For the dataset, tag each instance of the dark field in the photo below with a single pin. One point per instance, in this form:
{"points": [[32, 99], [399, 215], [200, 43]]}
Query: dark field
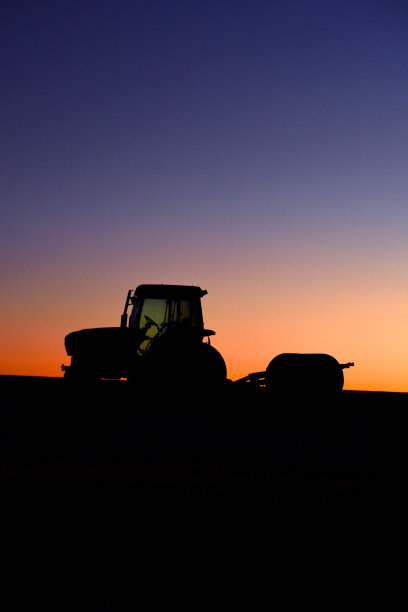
{"points": [[127, 482], [117, 443]]}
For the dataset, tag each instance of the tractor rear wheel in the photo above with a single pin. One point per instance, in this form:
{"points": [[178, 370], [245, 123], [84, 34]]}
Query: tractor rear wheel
{"points": [[188, 367]]}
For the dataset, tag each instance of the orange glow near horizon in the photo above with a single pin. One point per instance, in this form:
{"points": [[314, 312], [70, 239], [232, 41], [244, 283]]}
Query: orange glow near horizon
{"points": [[251, 329]]}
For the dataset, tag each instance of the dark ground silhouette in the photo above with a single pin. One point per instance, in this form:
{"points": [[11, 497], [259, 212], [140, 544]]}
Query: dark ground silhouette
{"points": [[133, 496]]}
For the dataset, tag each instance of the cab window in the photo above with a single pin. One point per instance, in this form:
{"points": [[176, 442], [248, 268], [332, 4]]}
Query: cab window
{"points": [[154, 314]]}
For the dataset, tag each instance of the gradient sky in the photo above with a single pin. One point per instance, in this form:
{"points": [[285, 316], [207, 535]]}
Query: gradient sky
{"points": [[256, 148]]}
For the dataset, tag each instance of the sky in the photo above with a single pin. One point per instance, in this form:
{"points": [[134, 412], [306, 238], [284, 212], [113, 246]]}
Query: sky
{"points": [[255, 148]]}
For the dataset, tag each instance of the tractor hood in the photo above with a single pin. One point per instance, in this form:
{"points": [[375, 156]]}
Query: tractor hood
{"points": [[100, 340]]}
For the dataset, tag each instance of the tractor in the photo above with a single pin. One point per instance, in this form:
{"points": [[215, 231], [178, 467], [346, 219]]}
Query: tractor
{"points": [[162, 343]]}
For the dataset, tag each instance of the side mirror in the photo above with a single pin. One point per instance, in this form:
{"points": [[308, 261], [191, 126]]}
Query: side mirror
{"points": [[208, 332]]}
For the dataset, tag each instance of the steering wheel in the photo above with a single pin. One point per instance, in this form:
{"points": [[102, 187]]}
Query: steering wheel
{"points": [[150, 322]]}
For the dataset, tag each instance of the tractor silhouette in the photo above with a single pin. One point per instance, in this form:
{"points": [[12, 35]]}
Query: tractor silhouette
{"points": [[162, 343]]}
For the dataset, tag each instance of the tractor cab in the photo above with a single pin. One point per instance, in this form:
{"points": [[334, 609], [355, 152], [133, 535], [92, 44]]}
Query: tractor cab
{"points": [[160, 308]]}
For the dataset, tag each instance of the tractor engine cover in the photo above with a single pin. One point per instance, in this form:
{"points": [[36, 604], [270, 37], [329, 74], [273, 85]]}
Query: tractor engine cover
{"points": [[304, 373], [105, 351]]}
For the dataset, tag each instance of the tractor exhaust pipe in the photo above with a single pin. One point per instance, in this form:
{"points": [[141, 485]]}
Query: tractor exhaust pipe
{"points": [[124, 316]]}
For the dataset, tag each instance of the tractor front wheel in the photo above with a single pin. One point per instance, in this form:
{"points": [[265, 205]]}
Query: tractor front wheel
{"points": [[79, 372]]}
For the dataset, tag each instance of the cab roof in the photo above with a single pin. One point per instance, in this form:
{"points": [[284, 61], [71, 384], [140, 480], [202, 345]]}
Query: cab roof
{"points": [[169, 291]]}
